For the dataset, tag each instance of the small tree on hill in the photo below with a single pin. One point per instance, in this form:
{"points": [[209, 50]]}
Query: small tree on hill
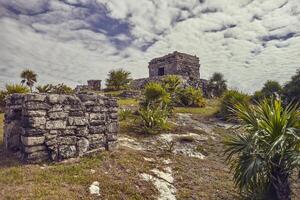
{"points": [[217, 85], [118, 79], [292, 88], [29, 77], [271, 88]]}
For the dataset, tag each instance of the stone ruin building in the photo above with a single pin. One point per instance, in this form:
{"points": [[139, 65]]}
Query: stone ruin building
{"points": [[56, 127], [176, 63], [92, 85], [181, 64]]}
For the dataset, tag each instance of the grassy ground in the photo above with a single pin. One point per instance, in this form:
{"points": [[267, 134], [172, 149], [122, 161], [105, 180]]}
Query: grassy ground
{"points": [[210, 109]]}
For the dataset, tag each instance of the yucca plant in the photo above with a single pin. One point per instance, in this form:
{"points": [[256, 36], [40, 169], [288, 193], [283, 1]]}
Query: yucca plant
{"points": [[265, 153], [44, 88], [29, 77], [16, 88], [153, 119], [124, 114]]}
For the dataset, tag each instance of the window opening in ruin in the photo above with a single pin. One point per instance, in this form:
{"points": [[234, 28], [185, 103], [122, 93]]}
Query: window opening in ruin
{"points": [[161, 71]]}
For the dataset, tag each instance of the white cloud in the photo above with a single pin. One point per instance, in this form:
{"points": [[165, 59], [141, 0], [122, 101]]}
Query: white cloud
{"points": [[249, 41]]}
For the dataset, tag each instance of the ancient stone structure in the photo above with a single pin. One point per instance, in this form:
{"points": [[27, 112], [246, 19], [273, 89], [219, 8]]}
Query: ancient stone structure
{"points": [[175, 63], [93, 85], [57, 127]]}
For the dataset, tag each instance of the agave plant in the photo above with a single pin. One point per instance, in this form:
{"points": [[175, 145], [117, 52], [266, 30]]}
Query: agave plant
{"points": [[267, 151]]}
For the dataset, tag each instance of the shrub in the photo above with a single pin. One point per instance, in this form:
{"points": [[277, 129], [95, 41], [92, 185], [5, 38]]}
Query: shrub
{"points": [[124, 114], [29, 77], [153, 119], [171, 83], [11, 89], [155, 94], [271, 88], [229, 100], [191, 97], [61, 89], [118, 79], [217, 85], [257, 96], [16, 88], [44, 88], [292, 88]]}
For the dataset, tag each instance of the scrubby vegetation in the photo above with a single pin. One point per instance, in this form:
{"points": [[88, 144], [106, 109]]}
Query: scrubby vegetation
{"points": [[216, 85], [291, 90], [118, 80], [270, 89], [28, 77], [55, 89], [265, 153], [12, 89], [231, 98], [191, 97]]}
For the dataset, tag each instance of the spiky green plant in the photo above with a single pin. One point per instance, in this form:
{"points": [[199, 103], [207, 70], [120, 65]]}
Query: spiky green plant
{"points": [[267, 150], [118, 79], [155, 94], [44, 88], [29, 77], [16, 88], [191, 97]]}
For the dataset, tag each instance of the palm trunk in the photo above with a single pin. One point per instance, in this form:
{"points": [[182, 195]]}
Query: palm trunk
{"points": [[281, 184]]}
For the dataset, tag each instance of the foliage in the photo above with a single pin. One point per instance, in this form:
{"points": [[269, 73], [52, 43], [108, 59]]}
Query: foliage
{"points": [[44, 88], [11, 89], [16, 88], [271, 88], [155, 94], [153, 118], [124, 114], [171, 83], [191, 97], [29, 77], [216, 85], [265, 153], [118, 79], [229, 100], [55, 89], [257, 96], [61, 89], [292, 88]]}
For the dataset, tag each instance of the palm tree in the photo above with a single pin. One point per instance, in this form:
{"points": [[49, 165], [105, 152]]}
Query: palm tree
{"points": [[118, 79], [267, 151], [217, 84], [29, 77]]}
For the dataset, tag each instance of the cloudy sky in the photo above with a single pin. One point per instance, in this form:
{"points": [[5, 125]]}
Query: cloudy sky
{"points": [[70, 41]]}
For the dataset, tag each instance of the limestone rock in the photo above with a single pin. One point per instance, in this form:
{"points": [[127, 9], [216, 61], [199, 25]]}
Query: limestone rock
{"points": [[66, 151], [56, 124], [82, 146], [31, 141], [58, 115], [35, 149], [94, 188], [77, 121]]}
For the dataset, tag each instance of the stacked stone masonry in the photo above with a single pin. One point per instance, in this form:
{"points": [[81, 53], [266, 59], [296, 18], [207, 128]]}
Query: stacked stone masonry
{"points": [[175, 63], [57, 127]]}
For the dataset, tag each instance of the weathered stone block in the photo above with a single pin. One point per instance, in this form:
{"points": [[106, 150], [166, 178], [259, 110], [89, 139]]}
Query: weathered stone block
{"points": [[56, 98], [97, 129], [34, 122], [58, 115], [82, 146], [77, 121], [82, 131], [35, 97], [113, 127], [97, 116], [66, 151], [56, 124], [68, 140], [12, 135], [34, 113], [56, 108], [32, 141], [36, 106], [33, 132], [32, 149]]}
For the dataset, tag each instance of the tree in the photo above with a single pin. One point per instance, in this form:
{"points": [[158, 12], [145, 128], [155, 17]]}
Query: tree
{"points": [[292, 88], [267, 150], [271, 88], [217, 85], [29, 77], [118, 79]]}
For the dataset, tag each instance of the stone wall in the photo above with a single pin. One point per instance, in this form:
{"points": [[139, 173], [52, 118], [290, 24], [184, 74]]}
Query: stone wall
{"points": [[176, 63], [57, 127]]}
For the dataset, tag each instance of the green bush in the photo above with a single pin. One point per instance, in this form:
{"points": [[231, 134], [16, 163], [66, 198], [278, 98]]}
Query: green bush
{"points": [[124, 114], [271, 88], [153, 119], [216, 85], [44, 88], [118, 80], [292, 88], [171, 83], [155, 94], [16, 88], [191, 97], [61, 89], [257, 96], [229, 100]]}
